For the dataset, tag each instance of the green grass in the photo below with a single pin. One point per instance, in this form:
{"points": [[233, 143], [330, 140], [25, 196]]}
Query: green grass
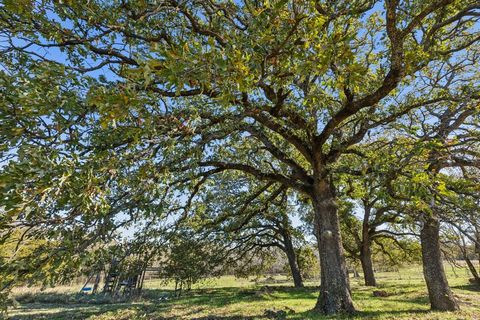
{"points": [[229, 298]]}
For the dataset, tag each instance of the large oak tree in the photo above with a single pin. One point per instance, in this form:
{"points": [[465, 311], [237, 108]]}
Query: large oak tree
{"points": [[227, 84]]}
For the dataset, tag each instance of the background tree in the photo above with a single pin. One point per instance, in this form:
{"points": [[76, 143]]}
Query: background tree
{"points": [[187, 259], [467, 253], [253, 216], [459, 209], [437, 146], [369, 215], [307, 261]]}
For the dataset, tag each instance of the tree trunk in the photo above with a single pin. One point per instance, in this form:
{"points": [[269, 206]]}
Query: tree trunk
{"points": [[441, 297], [96, 283], [335, 295], [472, 269], [471, 266], [292, 261], [355, 273], [367, 264], [366, 249]]}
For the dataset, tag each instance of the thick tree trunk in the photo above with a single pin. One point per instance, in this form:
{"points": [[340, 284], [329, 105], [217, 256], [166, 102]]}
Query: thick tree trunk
{"points": [[292, 261], [335, 295], [441, 297], [367, 264]]}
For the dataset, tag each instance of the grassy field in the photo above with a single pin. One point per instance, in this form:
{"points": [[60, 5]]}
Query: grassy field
{"points": [[228, 298]]}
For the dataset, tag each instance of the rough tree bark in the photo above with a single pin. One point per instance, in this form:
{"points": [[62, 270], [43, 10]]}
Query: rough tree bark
{"points": [[367, 264], [292, 261], [441, 297], [335, 295]]}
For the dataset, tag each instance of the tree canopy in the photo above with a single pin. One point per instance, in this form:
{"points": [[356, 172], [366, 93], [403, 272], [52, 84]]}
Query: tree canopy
{"points": [[117, 114]]}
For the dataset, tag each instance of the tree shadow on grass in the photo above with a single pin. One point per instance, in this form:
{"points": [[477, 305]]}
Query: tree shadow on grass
{"points": [[468, 287], [44, 311], [153, 303], [421, 300], [67, 299], [221, 297], [409, 306], [360, 314], [228, 318], [73, 306], [212, 298]]}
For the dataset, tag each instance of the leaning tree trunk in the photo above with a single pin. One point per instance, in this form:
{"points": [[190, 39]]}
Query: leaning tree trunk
{"points": [[335, 295], [472, 269], [477, 245], [441, 297], [292, 261], [471, 266], [367, 264]]}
